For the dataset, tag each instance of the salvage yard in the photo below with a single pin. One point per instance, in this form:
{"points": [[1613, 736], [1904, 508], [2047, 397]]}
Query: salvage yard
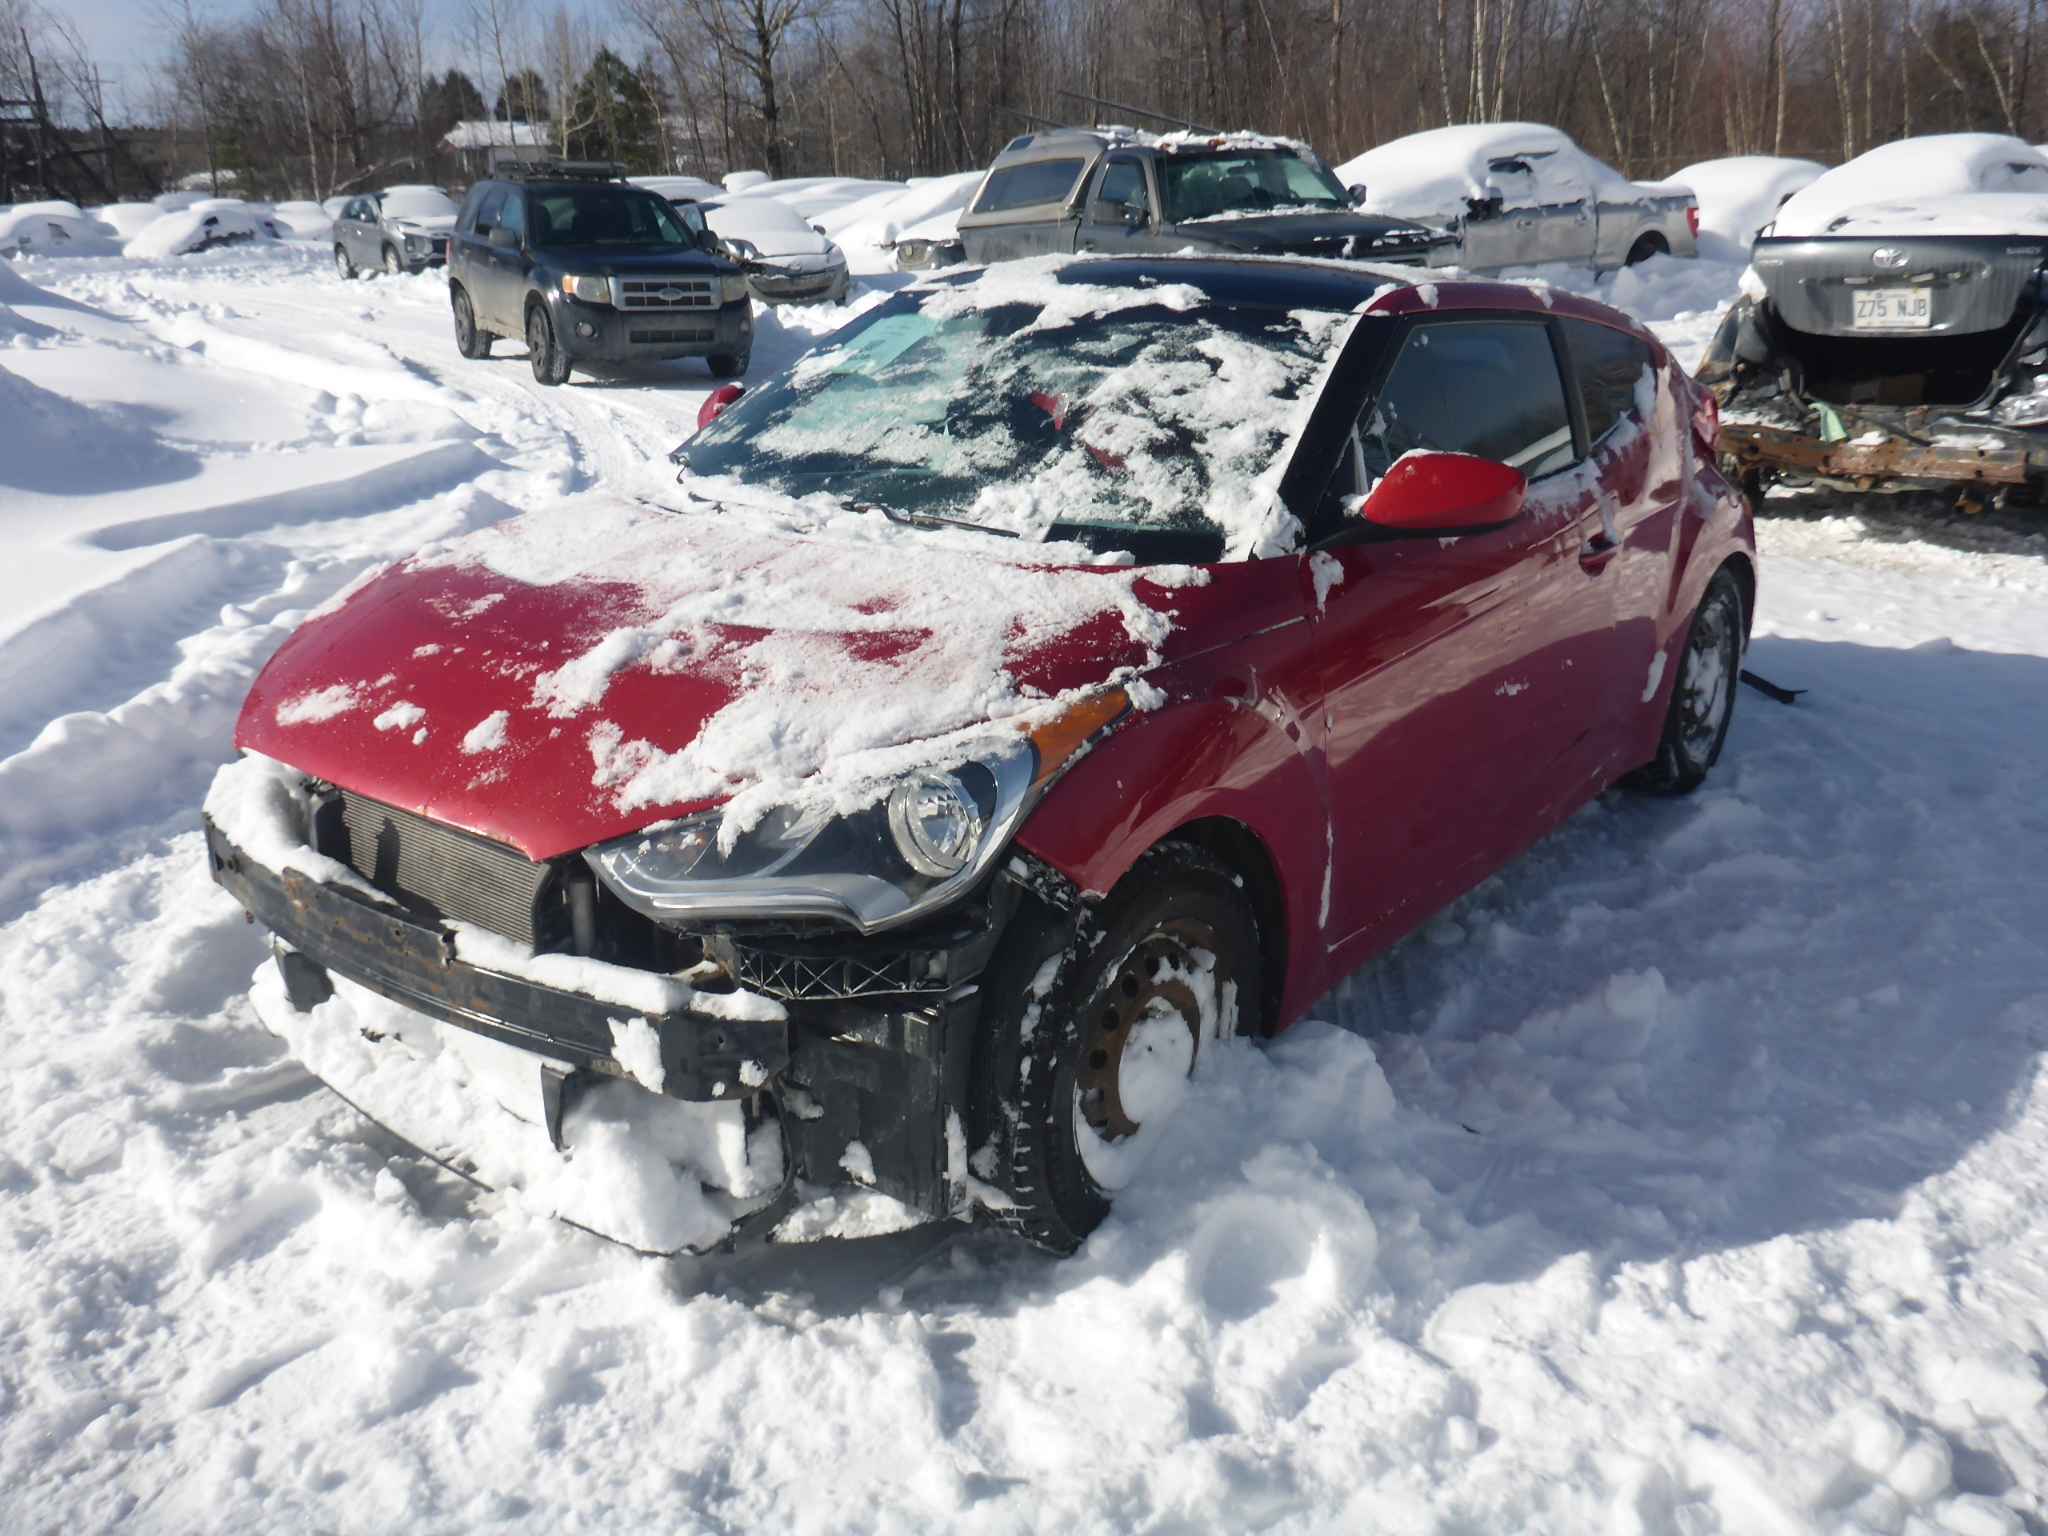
{"points": [[1687, 1177]]}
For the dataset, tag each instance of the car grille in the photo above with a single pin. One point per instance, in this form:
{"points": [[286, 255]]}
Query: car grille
{"points": [[661, 338], [665, 293], [446, 872], [802, 977]]}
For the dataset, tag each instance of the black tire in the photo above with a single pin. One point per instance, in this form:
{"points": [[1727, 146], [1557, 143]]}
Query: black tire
{"points": [[1645, 247], [550, 364], [1050, 1070], [470, 341], [1702, 696], [729, 365], [394, 264], [344, 263]]}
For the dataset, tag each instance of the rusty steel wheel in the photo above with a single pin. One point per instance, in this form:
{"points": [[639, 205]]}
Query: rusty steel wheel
{"points": [[1102, 1016], [1141, 1039]]}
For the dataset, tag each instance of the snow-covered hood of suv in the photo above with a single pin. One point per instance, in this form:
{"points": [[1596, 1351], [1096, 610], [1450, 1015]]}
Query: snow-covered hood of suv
{"points": [[432, 224]]}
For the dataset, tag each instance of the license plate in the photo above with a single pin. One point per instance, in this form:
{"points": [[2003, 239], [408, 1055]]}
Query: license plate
{"points": [[1893, 309]]}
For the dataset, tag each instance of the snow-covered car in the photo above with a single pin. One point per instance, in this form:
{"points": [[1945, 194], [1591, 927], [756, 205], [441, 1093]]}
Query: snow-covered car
{"points": [[202, 227], [680, 189], [1067, 665], [1740, 195], [54, 228], [127, 220], [303, 220], [401, 229], [1893, 328], [930, 243], [1521, 194], [1126, 193], [787, 261]]}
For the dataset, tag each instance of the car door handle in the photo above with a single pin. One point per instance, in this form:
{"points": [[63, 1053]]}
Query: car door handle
{"points": [[1597, 551]]}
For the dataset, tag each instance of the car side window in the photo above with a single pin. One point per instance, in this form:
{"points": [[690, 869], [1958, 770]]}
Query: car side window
{"points": [[1025, 186], [490, 210], [1610, 367], [1490, 388], [1123, 181], [512, 214]]}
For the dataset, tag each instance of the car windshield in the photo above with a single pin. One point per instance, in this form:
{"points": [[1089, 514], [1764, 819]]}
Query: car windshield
{"points": [[417, 203], [603, 215], [1072, 409], [1244, 182]]}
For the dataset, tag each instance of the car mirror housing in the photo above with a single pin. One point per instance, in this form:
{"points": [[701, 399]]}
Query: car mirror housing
{"points": [[1443, 493], [503, 238], [716, 402], [1357, 191]]}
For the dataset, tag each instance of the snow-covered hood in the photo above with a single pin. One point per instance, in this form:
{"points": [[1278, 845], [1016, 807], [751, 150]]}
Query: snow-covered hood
{"points": [[427, 224], [517, 684], [1311, 233], [771, 230]]}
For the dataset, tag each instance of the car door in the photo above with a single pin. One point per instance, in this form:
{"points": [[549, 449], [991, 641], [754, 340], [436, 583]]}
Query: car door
{"points": [[1566, 223], [352, 220], [1119, 215], [1640, 494], [497, 289], [1499, 230], [1451, 669]]}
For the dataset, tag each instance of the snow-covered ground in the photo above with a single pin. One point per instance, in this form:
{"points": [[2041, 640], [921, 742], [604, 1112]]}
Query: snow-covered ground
{"points": [[1689, 1177]]}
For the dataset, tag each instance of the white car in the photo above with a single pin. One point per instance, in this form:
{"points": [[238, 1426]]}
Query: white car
{"points": [[680, 189], [202, 227], [304, 220], [1740, 195], [787, 261], [53, 229], [1938, 184], [1520, 194]]}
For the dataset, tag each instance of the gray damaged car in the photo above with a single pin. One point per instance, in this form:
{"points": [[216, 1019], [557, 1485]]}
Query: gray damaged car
{"points": [[1893, 328], [1125, 193]]}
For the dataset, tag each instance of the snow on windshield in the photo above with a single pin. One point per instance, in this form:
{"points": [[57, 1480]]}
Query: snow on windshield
{"points": [[1036, 407]]}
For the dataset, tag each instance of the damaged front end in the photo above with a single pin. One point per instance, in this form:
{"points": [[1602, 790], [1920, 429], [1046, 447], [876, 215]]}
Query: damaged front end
{"points": [[1876, 364], [411, 955]]}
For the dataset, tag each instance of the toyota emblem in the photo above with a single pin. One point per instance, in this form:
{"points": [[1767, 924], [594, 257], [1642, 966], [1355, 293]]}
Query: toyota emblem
{"points": [[1888, 256]]}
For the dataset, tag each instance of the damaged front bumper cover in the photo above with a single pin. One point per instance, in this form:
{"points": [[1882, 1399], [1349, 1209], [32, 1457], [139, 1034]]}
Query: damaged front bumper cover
{"points": [[886, 1072]]}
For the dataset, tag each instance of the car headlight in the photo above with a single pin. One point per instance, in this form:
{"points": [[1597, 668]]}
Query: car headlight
{"points": [[591, 290], [732, 287], [923, 844], [833, 253], [746, 250], [414, 239]]}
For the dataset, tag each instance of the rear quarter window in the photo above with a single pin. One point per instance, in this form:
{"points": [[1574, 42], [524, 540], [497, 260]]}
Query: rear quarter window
{"points": [[1025, 186], [1609, 367]]}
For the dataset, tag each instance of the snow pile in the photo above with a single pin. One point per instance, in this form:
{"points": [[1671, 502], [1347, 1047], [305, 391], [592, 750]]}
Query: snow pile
{"points": [[1738, 196], [929, 210], [127, 220], [301, 220], [1916, 182]]}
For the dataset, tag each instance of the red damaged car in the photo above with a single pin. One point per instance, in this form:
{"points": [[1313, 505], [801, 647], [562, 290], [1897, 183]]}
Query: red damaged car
{"points": [[1062, 668]]}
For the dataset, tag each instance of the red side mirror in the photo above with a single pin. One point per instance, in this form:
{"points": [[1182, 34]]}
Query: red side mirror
{"points": [[1429, 492], [716, 403]]}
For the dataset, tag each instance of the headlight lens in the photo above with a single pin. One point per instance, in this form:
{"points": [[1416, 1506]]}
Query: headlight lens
{"points": [[925, 843], [591, 290], [733, 287], [935, 822], [745, 249]]}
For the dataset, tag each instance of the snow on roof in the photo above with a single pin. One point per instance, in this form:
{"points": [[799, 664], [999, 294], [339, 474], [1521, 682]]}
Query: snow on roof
{"points": [[489, 133], [1929, 170], [1435, 172]]}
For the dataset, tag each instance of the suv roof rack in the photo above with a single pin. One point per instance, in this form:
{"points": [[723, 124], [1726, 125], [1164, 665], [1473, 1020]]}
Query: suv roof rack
{"points": [[560, 170]]}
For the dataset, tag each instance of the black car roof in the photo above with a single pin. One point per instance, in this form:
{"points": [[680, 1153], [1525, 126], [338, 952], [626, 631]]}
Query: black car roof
{"points": [[1252, 281]]}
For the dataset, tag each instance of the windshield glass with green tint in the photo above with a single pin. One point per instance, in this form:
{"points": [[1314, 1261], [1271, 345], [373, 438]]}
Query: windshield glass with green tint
{"points": [[1070, 409], [1246, 182], [603, 215]]}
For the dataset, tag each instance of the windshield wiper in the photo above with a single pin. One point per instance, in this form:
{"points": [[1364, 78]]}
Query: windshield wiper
{"points": [[929, 519]]}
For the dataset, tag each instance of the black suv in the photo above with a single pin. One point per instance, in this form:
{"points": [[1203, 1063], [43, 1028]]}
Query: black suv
{"points": [[594, 273]]}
